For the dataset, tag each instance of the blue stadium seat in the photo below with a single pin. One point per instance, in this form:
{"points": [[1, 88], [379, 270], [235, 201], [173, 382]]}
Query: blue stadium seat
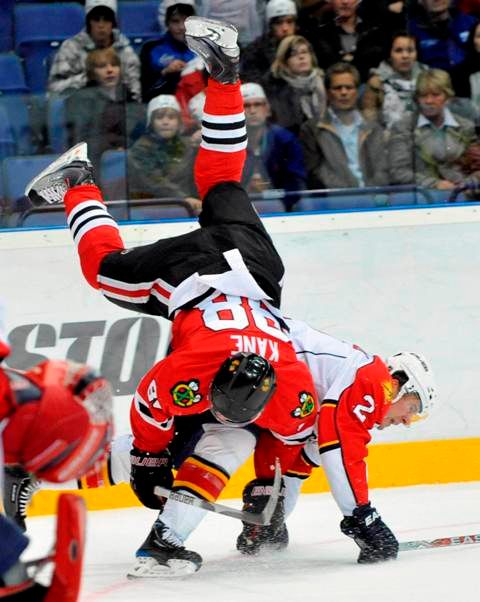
{"points": [[113, 175], [6, 25], [138, 21], [18, 171], [7, 139], [16, 107], [12, 77], [39, 31], [341, 202], [57, 124]]}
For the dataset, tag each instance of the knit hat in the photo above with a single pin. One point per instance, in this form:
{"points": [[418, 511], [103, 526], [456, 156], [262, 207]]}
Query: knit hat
{"points": [[91, 4], [252, 90], [163, 101], [280, 8]]}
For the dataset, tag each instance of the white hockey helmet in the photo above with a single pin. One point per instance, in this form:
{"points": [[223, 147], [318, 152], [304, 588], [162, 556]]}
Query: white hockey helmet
{"points": [[280, 8], [417, 378]]}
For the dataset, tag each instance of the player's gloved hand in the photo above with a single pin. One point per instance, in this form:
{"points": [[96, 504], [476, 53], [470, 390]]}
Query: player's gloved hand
{"points": [[148, 470], [371, 534]]}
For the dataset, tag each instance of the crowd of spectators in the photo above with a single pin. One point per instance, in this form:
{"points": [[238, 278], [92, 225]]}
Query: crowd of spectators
{"points": [[338, 94]]}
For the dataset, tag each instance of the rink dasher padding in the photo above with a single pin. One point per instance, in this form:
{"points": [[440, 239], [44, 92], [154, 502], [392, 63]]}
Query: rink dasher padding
{"points": [[388, 280], [389, 465]]}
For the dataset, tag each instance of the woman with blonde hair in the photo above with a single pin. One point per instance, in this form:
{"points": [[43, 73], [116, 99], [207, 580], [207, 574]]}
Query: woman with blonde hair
{"points": [[429, 146], [294, 85]]}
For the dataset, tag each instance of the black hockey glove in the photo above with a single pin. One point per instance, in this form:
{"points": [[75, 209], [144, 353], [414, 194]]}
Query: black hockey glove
{"points": [[371, 534], [148, 470]]}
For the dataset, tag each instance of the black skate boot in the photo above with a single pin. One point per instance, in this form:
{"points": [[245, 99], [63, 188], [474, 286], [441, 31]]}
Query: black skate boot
{"points": [[19, 486], [255, 538], [216, 43], [70, 169], [163, 555]]}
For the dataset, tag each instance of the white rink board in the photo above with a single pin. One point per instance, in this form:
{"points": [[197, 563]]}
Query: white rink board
{"points": [[389, 280]]}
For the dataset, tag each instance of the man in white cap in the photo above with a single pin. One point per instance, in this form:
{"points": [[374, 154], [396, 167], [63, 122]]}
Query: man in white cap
{"points": [[274, 155], [281, 17], [68, 70]]}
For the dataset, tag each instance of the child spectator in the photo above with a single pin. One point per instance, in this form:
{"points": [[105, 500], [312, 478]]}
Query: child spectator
{"points": [[104, 113], [68, 71], [294, 85], [390, 89], [257, 58], [161, 161], [164, 59], [274, 155]]}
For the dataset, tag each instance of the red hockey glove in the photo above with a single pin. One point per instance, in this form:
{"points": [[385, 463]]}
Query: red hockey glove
{"points": [[148, 470], [371, 534]]}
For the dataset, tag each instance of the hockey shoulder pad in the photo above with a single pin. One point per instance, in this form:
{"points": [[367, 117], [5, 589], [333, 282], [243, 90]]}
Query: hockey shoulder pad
{"points": [[69, 549]]}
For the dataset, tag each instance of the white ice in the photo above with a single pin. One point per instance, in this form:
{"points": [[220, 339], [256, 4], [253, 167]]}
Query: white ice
{"points": [[319, 564]]}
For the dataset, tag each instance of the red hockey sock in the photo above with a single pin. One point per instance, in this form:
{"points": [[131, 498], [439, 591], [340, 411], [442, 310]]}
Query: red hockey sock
{"points": [[203, 478], [94, 230], [224, 137]]}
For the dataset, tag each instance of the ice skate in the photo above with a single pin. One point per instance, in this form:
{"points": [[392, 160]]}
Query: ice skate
{"points": [[70, 169], [162, 555], [216, 43], [19, 487]]}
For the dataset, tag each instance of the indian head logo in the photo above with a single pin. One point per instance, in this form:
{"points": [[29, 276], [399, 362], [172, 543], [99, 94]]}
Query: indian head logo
{"points": [[306, 407], [185, 394]]}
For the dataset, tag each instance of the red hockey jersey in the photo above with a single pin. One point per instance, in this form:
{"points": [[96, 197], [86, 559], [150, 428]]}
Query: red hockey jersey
{"points": [[203, 337]]}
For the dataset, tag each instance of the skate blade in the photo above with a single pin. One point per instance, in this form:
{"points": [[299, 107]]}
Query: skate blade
{"points": [[149, 568], [222, 34], [76, 153]]}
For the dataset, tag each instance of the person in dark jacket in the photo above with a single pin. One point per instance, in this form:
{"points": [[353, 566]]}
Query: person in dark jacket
{"points": [[442, 32], [294, 85], [104, 113], [257, 58], [164, 59], [351, 38], [274, 155], [160, 163], [466, 77]]}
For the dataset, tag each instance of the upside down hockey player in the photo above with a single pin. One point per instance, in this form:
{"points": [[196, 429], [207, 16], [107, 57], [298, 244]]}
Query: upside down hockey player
{"points": [[221, 286], [57, 422]]}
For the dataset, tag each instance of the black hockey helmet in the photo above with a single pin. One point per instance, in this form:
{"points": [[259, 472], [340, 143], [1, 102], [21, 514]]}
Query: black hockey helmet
{"points": [[241, 389]]}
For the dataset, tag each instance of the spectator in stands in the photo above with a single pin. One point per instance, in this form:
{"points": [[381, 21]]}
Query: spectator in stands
{"points": [[257, 58], [349, 37], [441, 31], [68, 71], [164, 59], [193, 80], [160, 163], [429, 146], [104, 113], [390, 90], [294, 85], [274, 155], [246, 15], [466, 77], [343, 150]]}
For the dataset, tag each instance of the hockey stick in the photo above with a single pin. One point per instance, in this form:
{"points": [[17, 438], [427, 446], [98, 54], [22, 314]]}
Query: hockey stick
{"points": [[443, 542], [262, 518]]}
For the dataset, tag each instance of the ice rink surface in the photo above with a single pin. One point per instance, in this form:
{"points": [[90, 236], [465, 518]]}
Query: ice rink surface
{"points": [[319, 564]]}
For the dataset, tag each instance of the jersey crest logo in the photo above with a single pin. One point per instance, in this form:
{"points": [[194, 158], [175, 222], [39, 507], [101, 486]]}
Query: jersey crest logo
{"points": [[387, 386], [306, 407], [185, 394]]}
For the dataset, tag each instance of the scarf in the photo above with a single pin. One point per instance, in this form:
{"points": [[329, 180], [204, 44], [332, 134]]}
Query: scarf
{"points": [[310, 91]]}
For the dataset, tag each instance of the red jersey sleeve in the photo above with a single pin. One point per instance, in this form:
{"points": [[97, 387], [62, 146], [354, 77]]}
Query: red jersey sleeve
{"points": [[344, 423]]}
